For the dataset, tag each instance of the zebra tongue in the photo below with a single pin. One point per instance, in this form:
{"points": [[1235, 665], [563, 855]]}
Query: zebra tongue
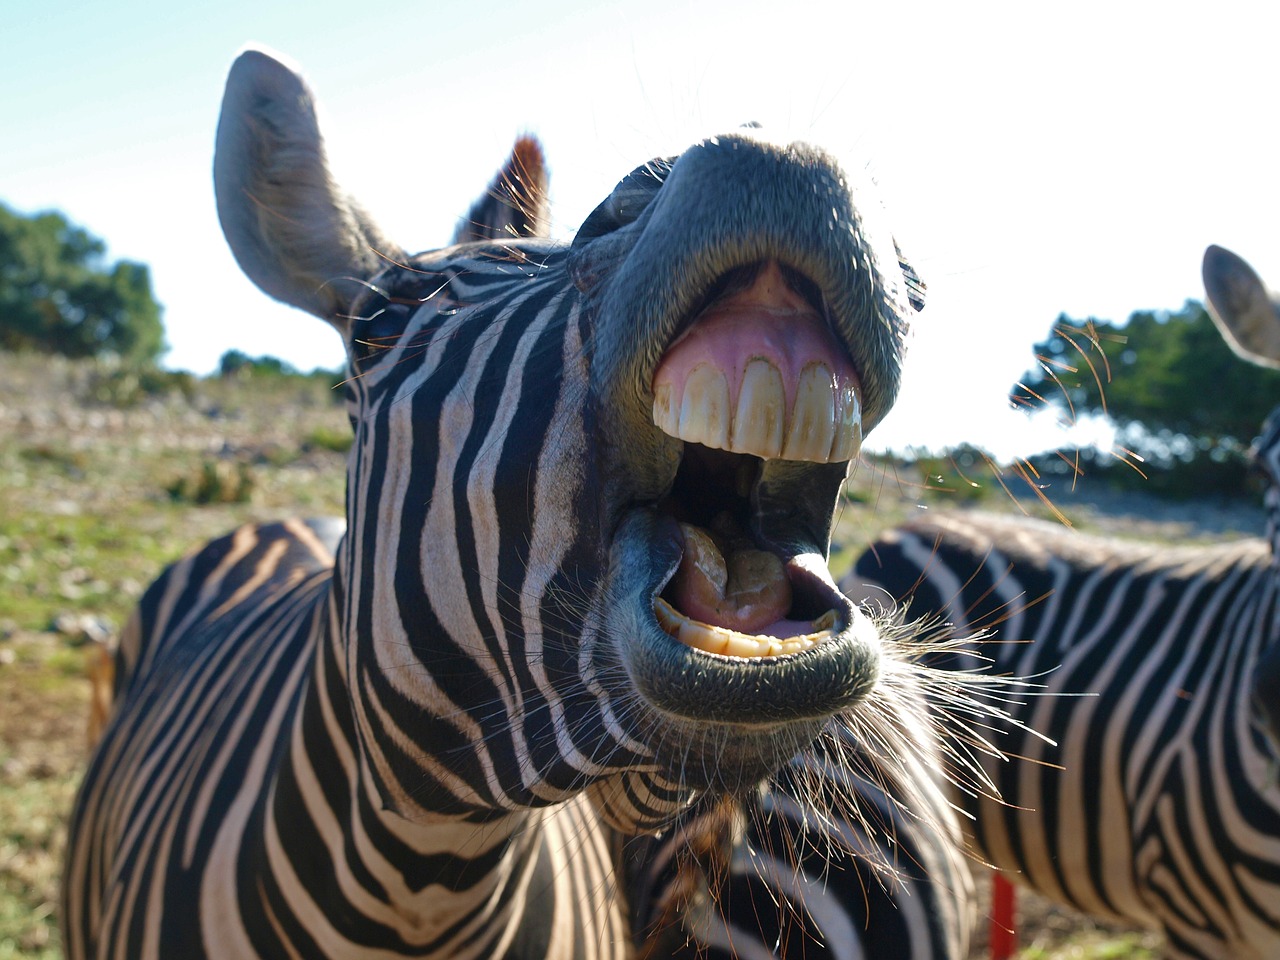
{"points": [[746, 591]]}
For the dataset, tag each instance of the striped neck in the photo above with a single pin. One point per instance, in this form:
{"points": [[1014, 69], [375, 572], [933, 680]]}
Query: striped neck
{"points": [[1266, 453], [370, 879], [1264, 699]]}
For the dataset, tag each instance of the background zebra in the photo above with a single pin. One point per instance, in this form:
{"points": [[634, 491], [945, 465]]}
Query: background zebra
{"points": [[525, 702], [1160, 804]]}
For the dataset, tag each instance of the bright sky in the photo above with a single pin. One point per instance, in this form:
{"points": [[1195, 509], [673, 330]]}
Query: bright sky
{"points": [[1037, 159]]}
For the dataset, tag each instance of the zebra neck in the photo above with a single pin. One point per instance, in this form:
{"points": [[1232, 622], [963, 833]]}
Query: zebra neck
{"points": [[1271, 624], [330, 848]]}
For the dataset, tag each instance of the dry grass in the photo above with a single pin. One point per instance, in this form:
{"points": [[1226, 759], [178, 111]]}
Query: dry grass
{"points": [[96, 497]]}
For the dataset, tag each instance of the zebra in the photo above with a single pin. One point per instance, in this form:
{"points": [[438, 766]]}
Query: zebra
{"points": [[1160, 805], [572, 679]]}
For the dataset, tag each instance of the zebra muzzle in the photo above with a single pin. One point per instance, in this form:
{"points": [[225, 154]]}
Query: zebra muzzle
{"points": [[710, 638], [814, 655]]}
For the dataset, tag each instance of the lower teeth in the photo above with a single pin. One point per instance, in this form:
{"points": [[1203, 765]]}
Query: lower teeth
{"points": [[713, 639]]}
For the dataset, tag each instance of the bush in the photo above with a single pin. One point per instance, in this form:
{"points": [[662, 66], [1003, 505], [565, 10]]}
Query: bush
{"points": [[216, 481], [327, 438], [127, 386], [960, 475], [1222, 472]]}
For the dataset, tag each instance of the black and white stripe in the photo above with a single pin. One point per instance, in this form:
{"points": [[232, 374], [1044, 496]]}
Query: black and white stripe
{"points": [[1160, 804], [454, 728]]}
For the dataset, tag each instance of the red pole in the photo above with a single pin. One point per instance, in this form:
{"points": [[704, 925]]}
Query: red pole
{"points": [[1003, 934]]}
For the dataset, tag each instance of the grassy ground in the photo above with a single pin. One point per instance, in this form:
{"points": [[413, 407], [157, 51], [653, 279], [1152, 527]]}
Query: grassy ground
{"points": [[95, 497], [101, 484]]}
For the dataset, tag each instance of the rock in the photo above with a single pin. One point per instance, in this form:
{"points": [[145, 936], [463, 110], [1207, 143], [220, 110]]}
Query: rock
{"points": [[83, 628]]}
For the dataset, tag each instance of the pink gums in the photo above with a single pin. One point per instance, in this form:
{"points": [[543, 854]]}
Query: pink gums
{"points": [[767, 321]]}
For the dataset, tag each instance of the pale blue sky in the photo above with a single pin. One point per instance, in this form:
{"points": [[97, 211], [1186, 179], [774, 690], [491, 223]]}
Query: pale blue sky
{"points": [[1037, 159]]}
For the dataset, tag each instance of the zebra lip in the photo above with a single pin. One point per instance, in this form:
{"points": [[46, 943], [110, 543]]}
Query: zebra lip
{"points": [[729, 597]]}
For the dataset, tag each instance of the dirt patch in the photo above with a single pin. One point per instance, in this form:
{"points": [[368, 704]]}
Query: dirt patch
{"points": [[1097, 510]]}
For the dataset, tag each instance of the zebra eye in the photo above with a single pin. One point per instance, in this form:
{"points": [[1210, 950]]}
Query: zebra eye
{"points": [[377, 328], [628, 200]]}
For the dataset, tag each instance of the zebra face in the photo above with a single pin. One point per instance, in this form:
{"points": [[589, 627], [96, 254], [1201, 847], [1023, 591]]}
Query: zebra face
{"points": [[592, 487], [748, 310]]}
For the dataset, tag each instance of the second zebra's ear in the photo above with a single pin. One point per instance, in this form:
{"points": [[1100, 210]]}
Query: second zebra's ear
{"points": [[1245, 313], [292, 230], [515, 204]]}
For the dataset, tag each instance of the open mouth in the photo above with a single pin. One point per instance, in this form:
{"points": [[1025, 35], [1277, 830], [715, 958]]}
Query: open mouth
{"points": [[722, 604], [732, 594], [757, 376], [759, 372]]}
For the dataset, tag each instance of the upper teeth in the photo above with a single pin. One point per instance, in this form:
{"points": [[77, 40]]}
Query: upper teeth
{"points": [[823, 425]]}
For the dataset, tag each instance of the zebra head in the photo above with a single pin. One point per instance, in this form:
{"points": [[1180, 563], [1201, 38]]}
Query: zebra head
{"points": [[592, 486], [1248, 317]]}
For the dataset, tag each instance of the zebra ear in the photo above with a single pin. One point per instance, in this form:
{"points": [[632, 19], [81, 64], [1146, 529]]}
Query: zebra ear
{"points": [[292, 230], [515, 204], [1247, 316]]}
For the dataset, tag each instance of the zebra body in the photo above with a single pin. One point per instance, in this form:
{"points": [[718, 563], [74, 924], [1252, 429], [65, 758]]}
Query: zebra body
{"points": [[1160, 803], [458, 727]]}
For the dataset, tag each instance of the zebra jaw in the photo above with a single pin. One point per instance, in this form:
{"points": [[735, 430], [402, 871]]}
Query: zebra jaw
{"points": [[725, 587]]}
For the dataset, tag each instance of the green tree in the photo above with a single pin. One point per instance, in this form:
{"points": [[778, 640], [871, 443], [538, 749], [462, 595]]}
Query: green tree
{"points": [[1166, 379], [1185, 407], [238, 363], [59, 295]]}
